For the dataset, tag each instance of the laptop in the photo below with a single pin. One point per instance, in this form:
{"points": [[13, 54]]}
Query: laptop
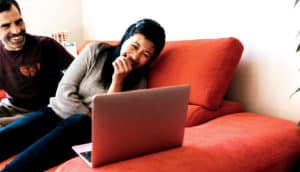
{"points": [[135, 123]]}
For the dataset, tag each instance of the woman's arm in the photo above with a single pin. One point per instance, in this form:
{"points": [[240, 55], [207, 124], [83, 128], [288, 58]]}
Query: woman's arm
{"points": [[67, 99]]}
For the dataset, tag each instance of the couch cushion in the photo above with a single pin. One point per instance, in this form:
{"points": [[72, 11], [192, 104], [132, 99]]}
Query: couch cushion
{"points": [[241, 142], [206, 64], [198, 114]]}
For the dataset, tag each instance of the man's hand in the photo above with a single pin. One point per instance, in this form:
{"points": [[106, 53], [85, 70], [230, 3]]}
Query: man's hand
{"points": [[6, 120]]}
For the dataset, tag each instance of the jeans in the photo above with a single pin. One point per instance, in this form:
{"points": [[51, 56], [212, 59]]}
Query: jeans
{"points": [[42, 140]]}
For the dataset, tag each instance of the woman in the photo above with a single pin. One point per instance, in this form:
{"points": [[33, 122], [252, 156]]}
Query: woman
{"points": [[45, 137]]}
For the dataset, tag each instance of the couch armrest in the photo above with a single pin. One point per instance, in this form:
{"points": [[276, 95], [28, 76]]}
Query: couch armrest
{"points": [[197, 114]]}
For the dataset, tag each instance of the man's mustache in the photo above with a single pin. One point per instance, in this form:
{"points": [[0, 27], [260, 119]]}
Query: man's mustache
{"points": [[22, 33]]}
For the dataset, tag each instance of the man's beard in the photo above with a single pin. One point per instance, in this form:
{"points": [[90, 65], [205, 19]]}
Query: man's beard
{"points": [[13, 44]]}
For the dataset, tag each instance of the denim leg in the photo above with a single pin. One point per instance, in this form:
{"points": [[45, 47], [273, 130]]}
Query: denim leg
{"points": [[21, 133], [55, 147]]}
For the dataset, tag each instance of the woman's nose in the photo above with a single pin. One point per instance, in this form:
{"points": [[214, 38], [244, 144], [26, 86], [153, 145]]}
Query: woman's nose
{"points": [[136, 56]]}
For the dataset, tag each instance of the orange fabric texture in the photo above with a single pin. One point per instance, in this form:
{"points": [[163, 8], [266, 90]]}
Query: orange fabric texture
{"points": [[197, 114], [2, 94], [3, 163], [241, 142], [207, 65]]}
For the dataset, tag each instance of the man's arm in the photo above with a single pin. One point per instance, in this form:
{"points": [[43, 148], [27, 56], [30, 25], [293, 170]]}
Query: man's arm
{"points": [[63, 57]]}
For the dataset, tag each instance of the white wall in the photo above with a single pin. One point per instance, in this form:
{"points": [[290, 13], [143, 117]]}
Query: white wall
{"points": [[268, 72], [44, 17]]}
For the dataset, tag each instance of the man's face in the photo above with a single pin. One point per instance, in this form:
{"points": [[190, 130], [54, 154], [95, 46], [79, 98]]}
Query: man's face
{"points": [[12, 29]]}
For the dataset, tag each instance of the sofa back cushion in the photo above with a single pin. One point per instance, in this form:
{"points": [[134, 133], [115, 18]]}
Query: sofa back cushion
{"points": [[207, 65]]}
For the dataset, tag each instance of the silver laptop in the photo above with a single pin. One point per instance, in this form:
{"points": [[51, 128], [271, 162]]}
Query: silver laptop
{"points": [[135, 123]]}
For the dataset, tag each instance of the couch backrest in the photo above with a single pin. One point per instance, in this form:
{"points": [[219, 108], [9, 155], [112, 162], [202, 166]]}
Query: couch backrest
{"points": [[207, 65]]}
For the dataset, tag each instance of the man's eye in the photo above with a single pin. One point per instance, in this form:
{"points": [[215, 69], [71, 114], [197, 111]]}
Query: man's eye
{"points": [[5, 26], [18, 22]]}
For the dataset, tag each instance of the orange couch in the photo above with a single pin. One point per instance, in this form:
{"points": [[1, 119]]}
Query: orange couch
{"points": [[219, 136]]}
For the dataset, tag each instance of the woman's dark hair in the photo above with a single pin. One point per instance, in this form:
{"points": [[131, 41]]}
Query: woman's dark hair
{"points": [[5, 5], [154, 32]]}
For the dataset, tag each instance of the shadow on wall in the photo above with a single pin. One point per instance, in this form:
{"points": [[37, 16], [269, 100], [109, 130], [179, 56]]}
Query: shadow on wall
{"points": [[244, 83]]}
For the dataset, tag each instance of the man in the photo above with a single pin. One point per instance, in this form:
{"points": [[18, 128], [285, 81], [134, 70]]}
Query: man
{"points": [[30, 66]]}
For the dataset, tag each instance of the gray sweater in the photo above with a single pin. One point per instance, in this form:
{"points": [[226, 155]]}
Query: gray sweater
{"points": [[81, 82]]}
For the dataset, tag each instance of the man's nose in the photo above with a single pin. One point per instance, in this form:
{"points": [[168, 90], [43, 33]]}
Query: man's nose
{"points": [[15, 29]]}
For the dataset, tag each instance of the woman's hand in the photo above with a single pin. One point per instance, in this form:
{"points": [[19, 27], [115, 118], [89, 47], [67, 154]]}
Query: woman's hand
{"points": [[122, 67]]}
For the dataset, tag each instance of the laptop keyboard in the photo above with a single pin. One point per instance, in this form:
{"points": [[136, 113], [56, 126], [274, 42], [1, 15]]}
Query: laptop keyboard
{"points": [[87, 155]]}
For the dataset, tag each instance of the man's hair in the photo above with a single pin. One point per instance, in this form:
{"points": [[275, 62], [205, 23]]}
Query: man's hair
{"points": [[5, 5]]}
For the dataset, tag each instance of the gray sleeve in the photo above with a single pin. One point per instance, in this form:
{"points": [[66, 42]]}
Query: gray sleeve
{"points": [[67, 100]]}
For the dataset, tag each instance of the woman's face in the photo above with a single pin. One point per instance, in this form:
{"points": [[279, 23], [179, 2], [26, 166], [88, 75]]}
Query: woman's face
{"points": [[138, 49]]}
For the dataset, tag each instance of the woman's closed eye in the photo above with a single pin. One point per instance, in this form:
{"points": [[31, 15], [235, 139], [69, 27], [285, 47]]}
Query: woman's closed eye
{"points": [[146, 55], [134, 46]]}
